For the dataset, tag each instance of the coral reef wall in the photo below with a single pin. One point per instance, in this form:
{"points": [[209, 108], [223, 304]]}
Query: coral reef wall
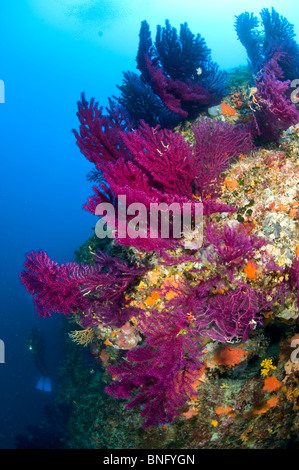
{"points": [[192, 342]]}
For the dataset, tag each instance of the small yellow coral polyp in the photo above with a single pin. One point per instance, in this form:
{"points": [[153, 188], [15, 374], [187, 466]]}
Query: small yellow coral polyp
{"points": [[141, 285], [214, 423], [190, 317], [267, 366], [250, 270]]}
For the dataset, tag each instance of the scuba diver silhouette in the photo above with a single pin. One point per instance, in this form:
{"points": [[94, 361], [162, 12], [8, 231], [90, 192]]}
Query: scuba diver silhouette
{"points": [[36, 345]]}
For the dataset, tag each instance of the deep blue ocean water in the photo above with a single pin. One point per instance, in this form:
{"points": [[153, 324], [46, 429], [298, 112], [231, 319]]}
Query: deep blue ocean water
{"points": [[51, 51]]}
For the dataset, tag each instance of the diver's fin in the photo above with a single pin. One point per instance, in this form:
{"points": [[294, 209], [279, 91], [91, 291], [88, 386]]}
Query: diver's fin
{"points": [[47, 385], [40, 384]]}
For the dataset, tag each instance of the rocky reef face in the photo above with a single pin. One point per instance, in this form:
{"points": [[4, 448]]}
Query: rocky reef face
{"points": [[245, 394]]}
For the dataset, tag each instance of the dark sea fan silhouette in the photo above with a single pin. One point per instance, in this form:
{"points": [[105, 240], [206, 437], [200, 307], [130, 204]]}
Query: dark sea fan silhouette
{"points": [[261, 46], [273, 111], [274, 58], [178, 77]]}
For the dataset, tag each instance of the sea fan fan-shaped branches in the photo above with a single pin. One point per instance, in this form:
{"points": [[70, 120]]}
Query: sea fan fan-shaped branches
{"points": [[216, 144], [160, 166], [54, 288], [180, 54], [165, 156], [73, 288], [143, 104], [229, 317], [162, 377], [158, 375], [273, 110], [99, 135], [222, 317], [294, 276], [245, 25], [278, 36], [232, 244], [177, 73], [161, 372]]}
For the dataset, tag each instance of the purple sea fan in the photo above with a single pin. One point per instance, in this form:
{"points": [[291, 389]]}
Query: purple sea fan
{"points": [[272, 108], [108, 304], [163, 168], [294, 276], [160, 328], [216, 143], [111, 277], [165, 156], [74, 288], [184, 98], [230, 316], [102, 194], [233, 245], [211, 206], [159, 374], [99, 137], [221, 317], [107, 313], [129, 180], [126, 178], [162, 376], [121, 270], [54, 287]]}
